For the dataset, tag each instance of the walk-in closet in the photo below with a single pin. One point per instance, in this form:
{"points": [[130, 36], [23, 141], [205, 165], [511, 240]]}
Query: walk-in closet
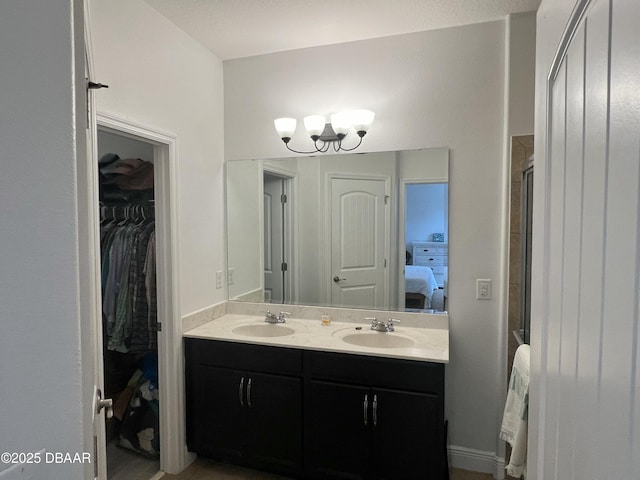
{"points": [[129, 304]]}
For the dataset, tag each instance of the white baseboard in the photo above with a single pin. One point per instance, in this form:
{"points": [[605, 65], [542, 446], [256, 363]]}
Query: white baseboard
{"points": [[476, 461]]}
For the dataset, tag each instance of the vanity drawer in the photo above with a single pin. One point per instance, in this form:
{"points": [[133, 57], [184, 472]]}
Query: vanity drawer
{"points": [[244, 356], [416, 376]]}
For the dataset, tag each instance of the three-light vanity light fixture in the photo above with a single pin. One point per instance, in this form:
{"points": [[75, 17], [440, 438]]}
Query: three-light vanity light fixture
{"points": [[323, 134]]}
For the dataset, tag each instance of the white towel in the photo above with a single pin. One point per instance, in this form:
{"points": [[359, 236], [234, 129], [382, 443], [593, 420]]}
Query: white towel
{"points": [[516, 411]]}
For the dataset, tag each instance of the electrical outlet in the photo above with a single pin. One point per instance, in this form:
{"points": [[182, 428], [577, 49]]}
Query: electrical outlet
{"points": [[483, 289], [219, 279], [230, 276]]}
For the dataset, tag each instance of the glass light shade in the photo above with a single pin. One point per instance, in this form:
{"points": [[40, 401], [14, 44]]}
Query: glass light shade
{"points": [[362, 120], [341, 122], [314, 124], [285, 127]]}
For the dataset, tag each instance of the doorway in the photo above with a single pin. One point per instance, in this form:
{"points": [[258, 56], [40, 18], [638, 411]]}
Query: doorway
{"points": [[520, 243], [150, 347], [424, 225], [129, 304], [278, 238]]}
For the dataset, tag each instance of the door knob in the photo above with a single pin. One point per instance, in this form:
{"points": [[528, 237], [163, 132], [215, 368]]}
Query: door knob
{"points": [[338, 279], [105, 403]]}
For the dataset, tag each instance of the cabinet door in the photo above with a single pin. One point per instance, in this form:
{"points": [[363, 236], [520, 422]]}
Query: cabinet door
{"points": [[274, 421], [218, 418], [407, 435], [337, 431]]}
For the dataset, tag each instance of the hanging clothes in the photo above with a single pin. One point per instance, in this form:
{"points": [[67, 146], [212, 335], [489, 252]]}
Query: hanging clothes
{"points": [[129, 303]]}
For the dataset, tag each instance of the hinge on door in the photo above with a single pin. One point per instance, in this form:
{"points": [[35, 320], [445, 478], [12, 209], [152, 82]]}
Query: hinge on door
{"points": [[284, 266], [92, 86], [385, 263], [386, 199], [158, 326], [283, 198], [95, 86]]}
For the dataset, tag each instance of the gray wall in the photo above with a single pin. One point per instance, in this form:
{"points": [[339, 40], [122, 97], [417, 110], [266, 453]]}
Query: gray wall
{"points": [[439, 88], [41, 362], [162, 78]]}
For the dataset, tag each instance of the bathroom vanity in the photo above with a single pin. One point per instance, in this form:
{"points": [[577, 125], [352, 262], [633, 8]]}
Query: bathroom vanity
{"points": [[314, 401]]}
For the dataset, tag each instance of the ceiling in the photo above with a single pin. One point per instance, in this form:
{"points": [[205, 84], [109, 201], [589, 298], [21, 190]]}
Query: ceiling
{"points": [[242, 28]]}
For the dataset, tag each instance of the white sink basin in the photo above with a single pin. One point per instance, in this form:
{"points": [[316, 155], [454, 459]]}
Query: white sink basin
{"points": [[263, 330], [378, 340]]}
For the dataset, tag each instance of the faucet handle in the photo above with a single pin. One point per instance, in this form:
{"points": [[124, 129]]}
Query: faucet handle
{"points": [[282, 316], [373, 321], [390, 323]]}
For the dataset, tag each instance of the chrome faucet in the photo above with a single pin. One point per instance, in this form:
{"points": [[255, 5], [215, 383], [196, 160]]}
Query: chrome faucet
{"points": [[273, 318], [380, 326]]}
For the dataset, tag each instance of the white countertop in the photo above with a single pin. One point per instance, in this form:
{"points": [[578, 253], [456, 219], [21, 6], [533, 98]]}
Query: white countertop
{"points": [[428, 344]]}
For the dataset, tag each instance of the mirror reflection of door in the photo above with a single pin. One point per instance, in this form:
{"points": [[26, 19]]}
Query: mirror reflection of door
{"points": [[359, 217], [277, 238]]}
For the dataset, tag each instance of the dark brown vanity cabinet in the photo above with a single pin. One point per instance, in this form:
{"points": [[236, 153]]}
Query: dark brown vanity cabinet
{"points": [[316, 415], [244, 404], [373, 418]]}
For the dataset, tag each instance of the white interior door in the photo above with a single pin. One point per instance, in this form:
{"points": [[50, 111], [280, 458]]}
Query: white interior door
{"points": [[585, 297], [359, 242], [273, 239], [90, 268]]}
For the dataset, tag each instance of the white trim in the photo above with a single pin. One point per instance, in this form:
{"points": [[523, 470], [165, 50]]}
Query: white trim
{"points": [[173, 454], [476, 461], [500, 465], [292, 284], [89, 265], [505, 243]]}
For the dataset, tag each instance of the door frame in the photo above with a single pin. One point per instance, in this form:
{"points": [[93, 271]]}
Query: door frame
{"points": [[174, 456], [402, 225], [291, 285], [170, 362], [326, 267]]}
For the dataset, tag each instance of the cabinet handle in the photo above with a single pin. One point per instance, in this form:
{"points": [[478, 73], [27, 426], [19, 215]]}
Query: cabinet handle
{"points": [[365, 408], [240, 391], [375, 410], [249, 393]]}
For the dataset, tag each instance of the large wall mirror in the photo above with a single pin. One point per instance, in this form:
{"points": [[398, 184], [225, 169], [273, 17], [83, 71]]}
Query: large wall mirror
{"points": [[359, 230]]}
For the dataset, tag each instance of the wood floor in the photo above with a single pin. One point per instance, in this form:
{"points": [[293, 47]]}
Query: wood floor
{"points": [[204, 469], [123, 464]]}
